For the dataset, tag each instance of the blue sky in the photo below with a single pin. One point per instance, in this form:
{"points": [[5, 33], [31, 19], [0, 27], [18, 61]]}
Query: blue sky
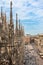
{"points": [[30, 12]]}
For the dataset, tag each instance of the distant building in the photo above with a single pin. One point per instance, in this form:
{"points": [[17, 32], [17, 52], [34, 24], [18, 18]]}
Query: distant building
{"points": [[39, 42], [27, 39]]}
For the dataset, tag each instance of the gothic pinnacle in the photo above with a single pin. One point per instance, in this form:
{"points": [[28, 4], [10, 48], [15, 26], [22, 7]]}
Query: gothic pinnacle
{"points": [[11, 12]]}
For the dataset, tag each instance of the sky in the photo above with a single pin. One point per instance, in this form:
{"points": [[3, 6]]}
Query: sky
{"points": [[30, 13]]}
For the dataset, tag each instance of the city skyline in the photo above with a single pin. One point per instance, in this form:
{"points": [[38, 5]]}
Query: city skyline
{"points": [[29, 12]]}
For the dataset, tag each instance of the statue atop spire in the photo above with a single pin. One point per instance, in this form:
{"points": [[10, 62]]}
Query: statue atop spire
{"points": [[19, 24], [22, 30], [1, 12], [5, 22], [11, 12], [5, 19], [19, 27], [1, 15], [16, 22]]}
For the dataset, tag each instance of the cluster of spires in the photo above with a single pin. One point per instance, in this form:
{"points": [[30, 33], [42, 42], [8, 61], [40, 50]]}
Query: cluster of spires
{"points": [[10, 36], [3, 17]]}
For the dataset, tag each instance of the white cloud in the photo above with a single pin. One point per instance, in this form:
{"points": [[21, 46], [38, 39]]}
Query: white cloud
{"points": [[22, 9]]}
